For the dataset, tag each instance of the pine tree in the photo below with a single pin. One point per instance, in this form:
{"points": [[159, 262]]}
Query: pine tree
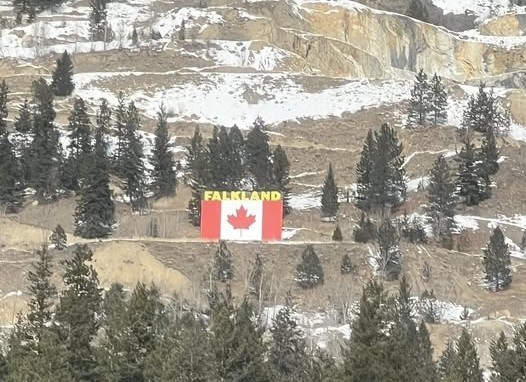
{"points": [[471, 185], [441, 199], [364, 358], [420, 103], [465, 366], [164, 180], [483, 112], [198, 175], [337, 234], [44, 151], [346, 265], [182, 31], [221, 159], [135, 37], [121, 116], [236, 157], [489, 154], [329, 196], [503, 369], [445, 363], [23, 121], [94, 213], [437, 100], [97, 20], [223, 269], [132, 161], [427, 371], [103, 121], [256, 277], [365, 230], [79, 147], [309, 272], [388, 251], [364, 170], [287, 355], [222, 326], [10, 177], [4, 93], [281, 166], [62, 79], [78, 312], [258, 156], [59, 238], [523, 241], [497, 261]]}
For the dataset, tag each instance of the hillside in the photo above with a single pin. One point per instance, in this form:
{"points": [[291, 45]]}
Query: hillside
{"points": [[320, 74]]}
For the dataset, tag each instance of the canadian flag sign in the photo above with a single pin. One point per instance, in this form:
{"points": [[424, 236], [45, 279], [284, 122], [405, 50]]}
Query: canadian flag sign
{"points": [[241, 215]]}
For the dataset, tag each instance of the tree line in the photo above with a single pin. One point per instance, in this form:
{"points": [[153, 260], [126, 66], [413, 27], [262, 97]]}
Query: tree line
{"points": [[86, 333]]}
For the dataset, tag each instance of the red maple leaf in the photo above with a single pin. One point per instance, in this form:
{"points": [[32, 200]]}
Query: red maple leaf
{"points": [[241, 220]]}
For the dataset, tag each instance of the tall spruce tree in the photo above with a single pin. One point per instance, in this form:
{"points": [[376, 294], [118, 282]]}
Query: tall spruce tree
{"points": [[223, 269], [164, 180], [388, 255], [281, 166], [11, 176], [484, 111], [4, 93], [121, 117], [441, 199], [502, 368], [287, 356], [78, 312], [329, 196], [259, 156], [497, 261], [62, 78], [44, 151], [256, 279], [364, 170], [23, 125], [471, 184], [236, 157], [437, 100], [219, 149], [23, 120], [197, 175], [59, 238], [420, 103], [465, 365], [489, 153], [97, 20], [309, 271]]}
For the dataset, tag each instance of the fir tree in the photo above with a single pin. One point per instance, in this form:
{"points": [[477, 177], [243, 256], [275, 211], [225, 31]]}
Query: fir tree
{"points": [[23, 121], [236, 157], [484, 112], [523, 241], [258, 156], [497, 261], [103, 121], [471, 185], [223, 269], [135, 37], [132, 161], [97, 20], [164, 180], [437, 100], [198, 174], [78, 312], [10, 177], [4, 93], [502, 368], [465, 366], [121, 116], [281, 166], [59, 238], [62, 79], [388, 251], [337, 234], [287, 356], [441, 199], [222, 326], [364, 169], [329, 196], [309, 272], [224, 161], [420, 103], [182, 31], [44, 151], [256, 277], [346, 266], [445, 363], [94, 213], [427, 371], [489, 154], [365, 230]]}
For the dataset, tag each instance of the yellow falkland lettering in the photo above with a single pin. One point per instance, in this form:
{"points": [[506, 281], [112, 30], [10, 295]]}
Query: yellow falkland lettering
{"points": [[265, 195], [275, 195], [254, 196], [242, 195], [216, 196], [208, 195]]}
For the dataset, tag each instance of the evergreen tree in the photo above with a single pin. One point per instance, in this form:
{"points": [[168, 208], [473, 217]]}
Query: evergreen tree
{"points": [[256, 277], [121, 117], [222, 326], [441, 199], [281, 166], [164, 180], [79, 147], [94, 213], [523, 241], [223, 269], [10, 177], [221, 160], [78, 312], [437, 100], [44, 151], [59, 238], [236, 157], [62, 79], [503, 369], [329, 196], [364, 170], [420, 102], [497, 261], [484, 112], [445, 363], [132, 161], [365, 356], [287, 356], [346, 266], [135, 37], [4, 93], [103, 121], [388, 251], [309, 272], [23, 121], [365, 230], [198, 174], [471, 185], [258, 156], [182, 31], [489, 154], [337, 234], [97, 20], [465, 366], [427, 371]]}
